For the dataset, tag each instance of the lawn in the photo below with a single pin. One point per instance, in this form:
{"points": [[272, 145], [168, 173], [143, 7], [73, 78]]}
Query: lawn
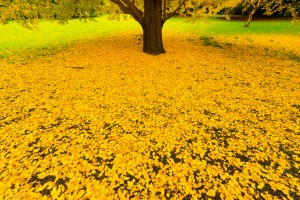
{"points": [[84, 114]]}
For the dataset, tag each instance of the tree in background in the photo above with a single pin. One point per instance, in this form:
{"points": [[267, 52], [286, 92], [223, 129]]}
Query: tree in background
{"points": [[255, 4], [271, 7], [293, 8], [150, 14]]}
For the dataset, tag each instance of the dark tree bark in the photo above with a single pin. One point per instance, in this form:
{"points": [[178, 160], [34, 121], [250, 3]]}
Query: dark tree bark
{"points": [[255, 7], [251, 16], [151, 20], [152, 25]]}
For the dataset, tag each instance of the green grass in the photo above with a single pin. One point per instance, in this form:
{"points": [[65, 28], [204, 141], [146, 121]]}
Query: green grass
{"points": [[209, 41], [218, 26], [51, 36]]}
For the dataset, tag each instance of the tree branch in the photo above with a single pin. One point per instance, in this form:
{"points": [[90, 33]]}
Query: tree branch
{"points": [[166, 17], [122, 6], [128, 7], [136, 13]]}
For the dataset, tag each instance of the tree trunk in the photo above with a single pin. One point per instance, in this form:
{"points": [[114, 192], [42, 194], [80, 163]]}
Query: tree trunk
{"points": [[251, 16], [152, 25]]}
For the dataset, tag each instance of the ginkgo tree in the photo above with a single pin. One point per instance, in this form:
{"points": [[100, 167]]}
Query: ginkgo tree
{"points": [[150, 14]]}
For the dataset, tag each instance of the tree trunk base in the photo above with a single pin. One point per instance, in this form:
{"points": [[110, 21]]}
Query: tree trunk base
{"points": [[153, 43]]}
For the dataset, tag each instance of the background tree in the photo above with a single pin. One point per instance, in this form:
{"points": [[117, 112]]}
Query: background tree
{"points": [[293, 8], [270, 7], [150, 14]]}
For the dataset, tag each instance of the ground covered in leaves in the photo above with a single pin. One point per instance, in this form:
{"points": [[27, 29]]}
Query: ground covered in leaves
{"points": [[102, 120]]}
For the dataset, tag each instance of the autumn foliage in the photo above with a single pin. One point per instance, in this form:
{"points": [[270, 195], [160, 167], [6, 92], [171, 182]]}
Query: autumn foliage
{"points": [[102, 122]]}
